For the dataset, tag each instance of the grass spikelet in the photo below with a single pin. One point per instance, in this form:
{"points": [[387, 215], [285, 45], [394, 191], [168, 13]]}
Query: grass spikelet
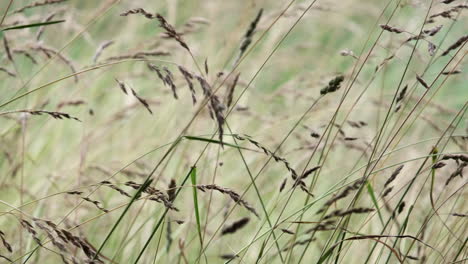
{"points": [[7, 48], [171, 32], [70, 103], [26, 54], [342, 194], [31, 231], [121, 86], [333, 85], [457, 172], [101, 48], [455, 45], [48, 51], [155, 195], [459, 215], [140, 11], [142, 101], [5, 242], [340, 213], [96, 203], [393, 176], [56, 115], [112, 186], [433, 31], [171, 191], [188, 78], [231, 89], [232, 194], [249, 35], [387, 192], [42, 28], [228, 256], [235, 226], [452, 72], [287, 231], [38, 4], [215, 105], [422, 82], [138, 55], [391, 29], [10, 73]]}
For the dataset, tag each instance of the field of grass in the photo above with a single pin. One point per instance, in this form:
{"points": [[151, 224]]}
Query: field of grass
{"points": [[249, 131]]}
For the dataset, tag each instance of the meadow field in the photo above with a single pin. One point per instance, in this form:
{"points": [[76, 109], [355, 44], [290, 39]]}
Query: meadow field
{"points": [[248, 131]]}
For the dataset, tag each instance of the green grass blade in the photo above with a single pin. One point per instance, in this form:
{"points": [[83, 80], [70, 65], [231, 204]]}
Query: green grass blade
{"points": [[40, 24], [193, 177], [371, 192]]}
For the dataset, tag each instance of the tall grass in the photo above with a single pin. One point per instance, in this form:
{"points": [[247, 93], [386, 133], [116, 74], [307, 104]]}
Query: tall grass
{"points": [[233, 132]]}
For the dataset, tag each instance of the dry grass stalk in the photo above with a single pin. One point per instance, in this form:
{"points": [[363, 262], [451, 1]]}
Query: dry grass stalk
{"points": [[235, 226], [249, 35], [455, 45], [232, 194], [41, 29], [171, 32], [38, 4], [101, 48], [333, 85], [393, 176], [339, 213], [391, 29], [188, 78], [422, 82], [347, 190], [10, 73], [231, 89], [155, 195], [5, 242]]}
